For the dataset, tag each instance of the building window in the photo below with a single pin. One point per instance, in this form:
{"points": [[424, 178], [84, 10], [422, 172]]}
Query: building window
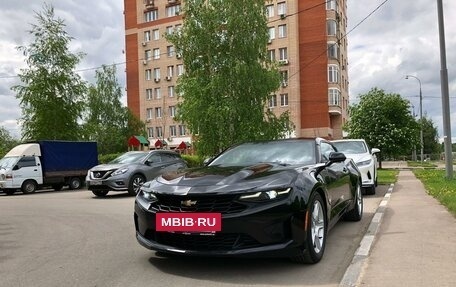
{"points": [[148, 55], [157, 92], [169, 30], [180, 69], [284, 78], [331, 5], [148, 74], [182, 130], [270, 11], [156, 53], [146, 36], [170, 71], [150, 132], [159, 132], [150, 15], [282, 31], [172, 11], [149, 114], [172, 131], [271, 33], [331, 27], [149, 94], [156, 73], [170, 51], [283, 54], [156, 34], [284, 100], [171, 91], [158, 112], [333, 73], [271, 55], [333, 50], [273, 101], [334, 97], [172, 111], [282, 8]]}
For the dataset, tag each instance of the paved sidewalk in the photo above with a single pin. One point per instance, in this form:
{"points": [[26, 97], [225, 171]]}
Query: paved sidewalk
{"points": [[416, 241]]}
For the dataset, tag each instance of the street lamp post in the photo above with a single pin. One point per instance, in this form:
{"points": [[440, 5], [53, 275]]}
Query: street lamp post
{"points": [[421, 116]]}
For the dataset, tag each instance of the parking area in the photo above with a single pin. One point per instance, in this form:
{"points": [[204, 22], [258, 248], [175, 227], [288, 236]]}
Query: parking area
{"points": [[72, 238]]}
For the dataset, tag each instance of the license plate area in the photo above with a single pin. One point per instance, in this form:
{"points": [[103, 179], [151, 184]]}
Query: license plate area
{"points": [[96, 182], [193, 222]]}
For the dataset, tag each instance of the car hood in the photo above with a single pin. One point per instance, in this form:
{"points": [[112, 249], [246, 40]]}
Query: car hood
{"points": [[106, 167], [216, 179], [359, 157]]}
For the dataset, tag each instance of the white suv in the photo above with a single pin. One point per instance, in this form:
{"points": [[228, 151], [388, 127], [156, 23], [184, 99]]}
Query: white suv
{"points": [[365, 159]]}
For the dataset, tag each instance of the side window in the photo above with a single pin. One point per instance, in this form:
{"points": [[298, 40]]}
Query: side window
{"points": [[26, 161], [325, 150], [155, 158], [167, 158]]}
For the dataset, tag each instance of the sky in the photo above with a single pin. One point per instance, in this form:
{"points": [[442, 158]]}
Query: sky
{"points": [[400, 38]]}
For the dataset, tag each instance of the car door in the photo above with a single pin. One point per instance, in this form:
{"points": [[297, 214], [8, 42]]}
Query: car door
{"points": [[337, 179], [154, 166], [28, 167]]}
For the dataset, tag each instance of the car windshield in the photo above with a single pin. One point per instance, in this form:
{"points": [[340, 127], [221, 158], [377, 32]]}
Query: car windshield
{"points": [[286, 152], [351, 147], [130, 157], [8, 162]]}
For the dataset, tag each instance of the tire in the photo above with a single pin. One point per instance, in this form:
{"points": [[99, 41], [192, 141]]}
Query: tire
{"points": [[370, 190], [29, 186], [316, 232], [75, 183], [356, 213], [100, 193], [136, 182]]}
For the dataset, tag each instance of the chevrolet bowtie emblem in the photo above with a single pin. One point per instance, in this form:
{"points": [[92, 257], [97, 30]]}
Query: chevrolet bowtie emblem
{"points": [[188, 202]]}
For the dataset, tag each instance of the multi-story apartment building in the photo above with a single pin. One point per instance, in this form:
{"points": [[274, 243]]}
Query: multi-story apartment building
{"points": [[307, 38]]}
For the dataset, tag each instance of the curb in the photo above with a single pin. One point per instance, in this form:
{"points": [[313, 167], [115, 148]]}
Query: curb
{"points": [[354, 270]]}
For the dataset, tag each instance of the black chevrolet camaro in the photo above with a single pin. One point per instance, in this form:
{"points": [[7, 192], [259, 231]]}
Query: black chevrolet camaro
{"points": [[268, 198]]}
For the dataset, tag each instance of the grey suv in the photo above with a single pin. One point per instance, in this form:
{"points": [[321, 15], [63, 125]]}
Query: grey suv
{"points": [[130, 170]]}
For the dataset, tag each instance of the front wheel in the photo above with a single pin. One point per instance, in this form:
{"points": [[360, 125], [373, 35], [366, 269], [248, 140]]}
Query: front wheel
{"points": [[316, 226], [136, 182], [357, 212], [29, 186]]}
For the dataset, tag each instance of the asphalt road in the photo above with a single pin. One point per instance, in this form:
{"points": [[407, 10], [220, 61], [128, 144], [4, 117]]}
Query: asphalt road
{"points": [[71, 238]]}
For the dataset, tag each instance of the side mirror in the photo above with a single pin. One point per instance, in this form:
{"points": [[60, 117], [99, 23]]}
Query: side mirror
{"points": [[375, 150], [337, 157]]}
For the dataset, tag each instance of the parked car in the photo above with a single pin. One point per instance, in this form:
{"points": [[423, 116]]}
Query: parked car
{"points": [[365, 159], [269, 198], [130, 170]]}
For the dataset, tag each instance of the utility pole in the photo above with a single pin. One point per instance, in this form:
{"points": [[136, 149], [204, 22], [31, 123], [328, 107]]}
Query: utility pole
{"points": [[445, 95]]}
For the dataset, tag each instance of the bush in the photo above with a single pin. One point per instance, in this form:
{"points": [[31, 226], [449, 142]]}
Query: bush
{"points": [[193, 160]]}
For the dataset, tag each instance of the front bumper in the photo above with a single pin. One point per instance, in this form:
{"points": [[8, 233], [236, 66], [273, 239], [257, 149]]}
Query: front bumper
{"points": [[111, 184], [367, 175], [276, 231]]}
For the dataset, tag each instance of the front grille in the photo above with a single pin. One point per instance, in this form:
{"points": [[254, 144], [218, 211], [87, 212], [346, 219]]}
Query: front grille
{"points": [[224, 204], [217, 242], [101, 174]]}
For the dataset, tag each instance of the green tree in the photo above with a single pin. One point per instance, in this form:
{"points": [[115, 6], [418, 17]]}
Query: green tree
{"points": [[7, 142], [107, 121], [51, 93], [384, 121], [228, 76], [430, 136]]}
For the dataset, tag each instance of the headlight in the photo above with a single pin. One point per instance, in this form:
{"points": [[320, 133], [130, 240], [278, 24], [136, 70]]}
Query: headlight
{"points": [[364, 162], [120, 171], [265, 195], [147, 192]]}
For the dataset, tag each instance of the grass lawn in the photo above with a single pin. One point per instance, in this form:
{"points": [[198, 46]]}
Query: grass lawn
{"points": [[387, 176], [424, 164], [438, 186]]}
